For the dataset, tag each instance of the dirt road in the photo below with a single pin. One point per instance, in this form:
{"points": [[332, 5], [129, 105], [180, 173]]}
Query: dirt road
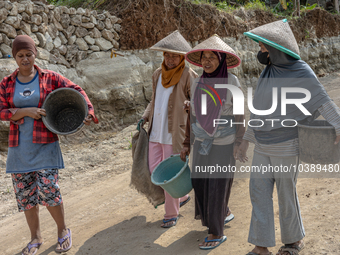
{"points": [[106, 216]]}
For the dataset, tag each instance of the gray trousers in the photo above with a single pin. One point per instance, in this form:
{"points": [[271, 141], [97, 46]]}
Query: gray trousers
{"points": [[261, 186]]}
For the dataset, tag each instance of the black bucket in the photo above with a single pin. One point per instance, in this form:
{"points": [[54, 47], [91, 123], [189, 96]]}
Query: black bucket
{"points": [[66, 110], [316, 143]]}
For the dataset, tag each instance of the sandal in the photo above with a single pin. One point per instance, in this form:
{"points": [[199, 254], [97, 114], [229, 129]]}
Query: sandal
{"points": [[34, 245], [292, 249], [169, 220], [221, 240], [63, 239], [253, 253], [229, 218], [184, 202]]}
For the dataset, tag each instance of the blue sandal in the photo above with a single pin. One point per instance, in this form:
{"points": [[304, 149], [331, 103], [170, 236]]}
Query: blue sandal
{"points": [[34, 245], [169, 220], [221, 240], [184, 202], [63, 239]]}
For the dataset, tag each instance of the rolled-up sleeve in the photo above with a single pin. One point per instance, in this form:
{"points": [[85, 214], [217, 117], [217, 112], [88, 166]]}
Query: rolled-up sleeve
{"points": [[6, 112], [331, 112]]}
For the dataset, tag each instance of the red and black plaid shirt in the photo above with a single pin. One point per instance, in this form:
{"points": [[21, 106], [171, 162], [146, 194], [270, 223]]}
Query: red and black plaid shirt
{"points": [[48, 81]]}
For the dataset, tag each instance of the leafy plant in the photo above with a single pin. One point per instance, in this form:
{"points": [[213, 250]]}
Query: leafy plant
{"points": [[130, 142], [307, 34], [256, 4], [309, 7], [92, 4], [224, 6]]}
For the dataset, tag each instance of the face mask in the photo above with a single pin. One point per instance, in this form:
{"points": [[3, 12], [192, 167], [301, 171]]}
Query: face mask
{"points": [[263, 57]]}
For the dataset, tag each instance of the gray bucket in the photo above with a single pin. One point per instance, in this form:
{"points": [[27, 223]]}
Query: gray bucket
{"points": [[66, 110], [316, 143]]}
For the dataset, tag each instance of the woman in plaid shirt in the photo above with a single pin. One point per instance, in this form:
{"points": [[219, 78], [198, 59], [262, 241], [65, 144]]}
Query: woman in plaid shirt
{"points": [[34, 154]]}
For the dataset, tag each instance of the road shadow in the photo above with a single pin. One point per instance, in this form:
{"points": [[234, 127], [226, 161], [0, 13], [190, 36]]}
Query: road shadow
{"points": [[141, 240]]}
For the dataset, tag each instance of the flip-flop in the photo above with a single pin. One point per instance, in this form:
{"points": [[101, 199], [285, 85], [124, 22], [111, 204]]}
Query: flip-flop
{"points": [[63, 239], [171, 225], [184, 202], [30, 246], [229, 218], [292, 249], [253, 253], [221, 240]]}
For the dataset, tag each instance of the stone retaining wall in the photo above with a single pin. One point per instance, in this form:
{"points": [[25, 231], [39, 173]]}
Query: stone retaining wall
{"points": [[62, 35], [120, 88]]}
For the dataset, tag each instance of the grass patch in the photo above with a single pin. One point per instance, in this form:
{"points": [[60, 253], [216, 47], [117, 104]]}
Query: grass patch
{"points": [[130, 142], [226, 6], [91, 4], [256, 5]]}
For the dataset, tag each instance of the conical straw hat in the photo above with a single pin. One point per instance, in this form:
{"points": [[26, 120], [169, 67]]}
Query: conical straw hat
{"points": [[214, 43], [278, 35], [174, 43]]}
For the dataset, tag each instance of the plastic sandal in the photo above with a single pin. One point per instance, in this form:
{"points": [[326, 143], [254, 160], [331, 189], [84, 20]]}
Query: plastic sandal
{"points": [[35, 245], [229, 218], [63, 239], [221, 240], [169, 220], [184, 202]]}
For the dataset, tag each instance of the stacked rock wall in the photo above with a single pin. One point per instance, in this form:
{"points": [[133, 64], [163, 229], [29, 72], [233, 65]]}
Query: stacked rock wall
{"points": [[62, 35], [120, 88]]}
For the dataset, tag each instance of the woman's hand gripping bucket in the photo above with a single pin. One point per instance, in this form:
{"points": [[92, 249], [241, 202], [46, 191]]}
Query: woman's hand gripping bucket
{"points": [[173, 175]]}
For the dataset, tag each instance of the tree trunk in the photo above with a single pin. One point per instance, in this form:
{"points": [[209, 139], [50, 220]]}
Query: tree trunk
{"points": [[298, 7], [336, 3]]}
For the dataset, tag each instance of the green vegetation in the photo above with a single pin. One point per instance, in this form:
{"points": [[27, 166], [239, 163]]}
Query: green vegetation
{"points": [[257, 4], [224, 6], [92, 4], [130, 142], [283, 8]]}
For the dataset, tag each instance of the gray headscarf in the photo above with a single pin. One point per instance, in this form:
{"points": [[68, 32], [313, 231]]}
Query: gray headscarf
{"points": [[286, 71]]}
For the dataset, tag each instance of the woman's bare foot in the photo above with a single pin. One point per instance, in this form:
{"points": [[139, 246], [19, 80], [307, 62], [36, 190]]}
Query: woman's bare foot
{"points": [[32, 246], [66, 243], [298, 246], [229, 217], [210, 237], [261, 250], [169, 223]]}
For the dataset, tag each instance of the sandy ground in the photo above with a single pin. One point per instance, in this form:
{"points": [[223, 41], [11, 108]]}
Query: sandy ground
{"points": [[106, 216]]}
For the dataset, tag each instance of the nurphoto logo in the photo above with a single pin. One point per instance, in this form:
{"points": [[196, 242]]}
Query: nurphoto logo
{"points": [[238, 104]]}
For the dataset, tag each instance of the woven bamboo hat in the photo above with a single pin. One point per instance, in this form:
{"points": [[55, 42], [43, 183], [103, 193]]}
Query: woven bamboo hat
{"points": [[174, 43], [277, 34], [214, 43]]}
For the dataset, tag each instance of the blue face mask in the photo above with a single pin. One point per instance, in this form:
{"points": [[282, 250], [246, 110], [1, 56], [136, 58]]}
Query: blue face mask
{"points": [[263, 57]]}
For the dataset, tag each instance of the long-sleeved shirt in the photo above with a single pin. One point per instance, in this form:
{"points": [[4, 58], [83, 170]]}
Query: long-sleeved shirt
{"points": [[227, 109], [330, 111], [48, 81]]}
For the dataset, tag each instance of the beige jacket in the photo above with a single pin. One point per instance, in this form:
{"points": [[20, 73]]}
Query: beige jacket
{"points": [[177, 117]]}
